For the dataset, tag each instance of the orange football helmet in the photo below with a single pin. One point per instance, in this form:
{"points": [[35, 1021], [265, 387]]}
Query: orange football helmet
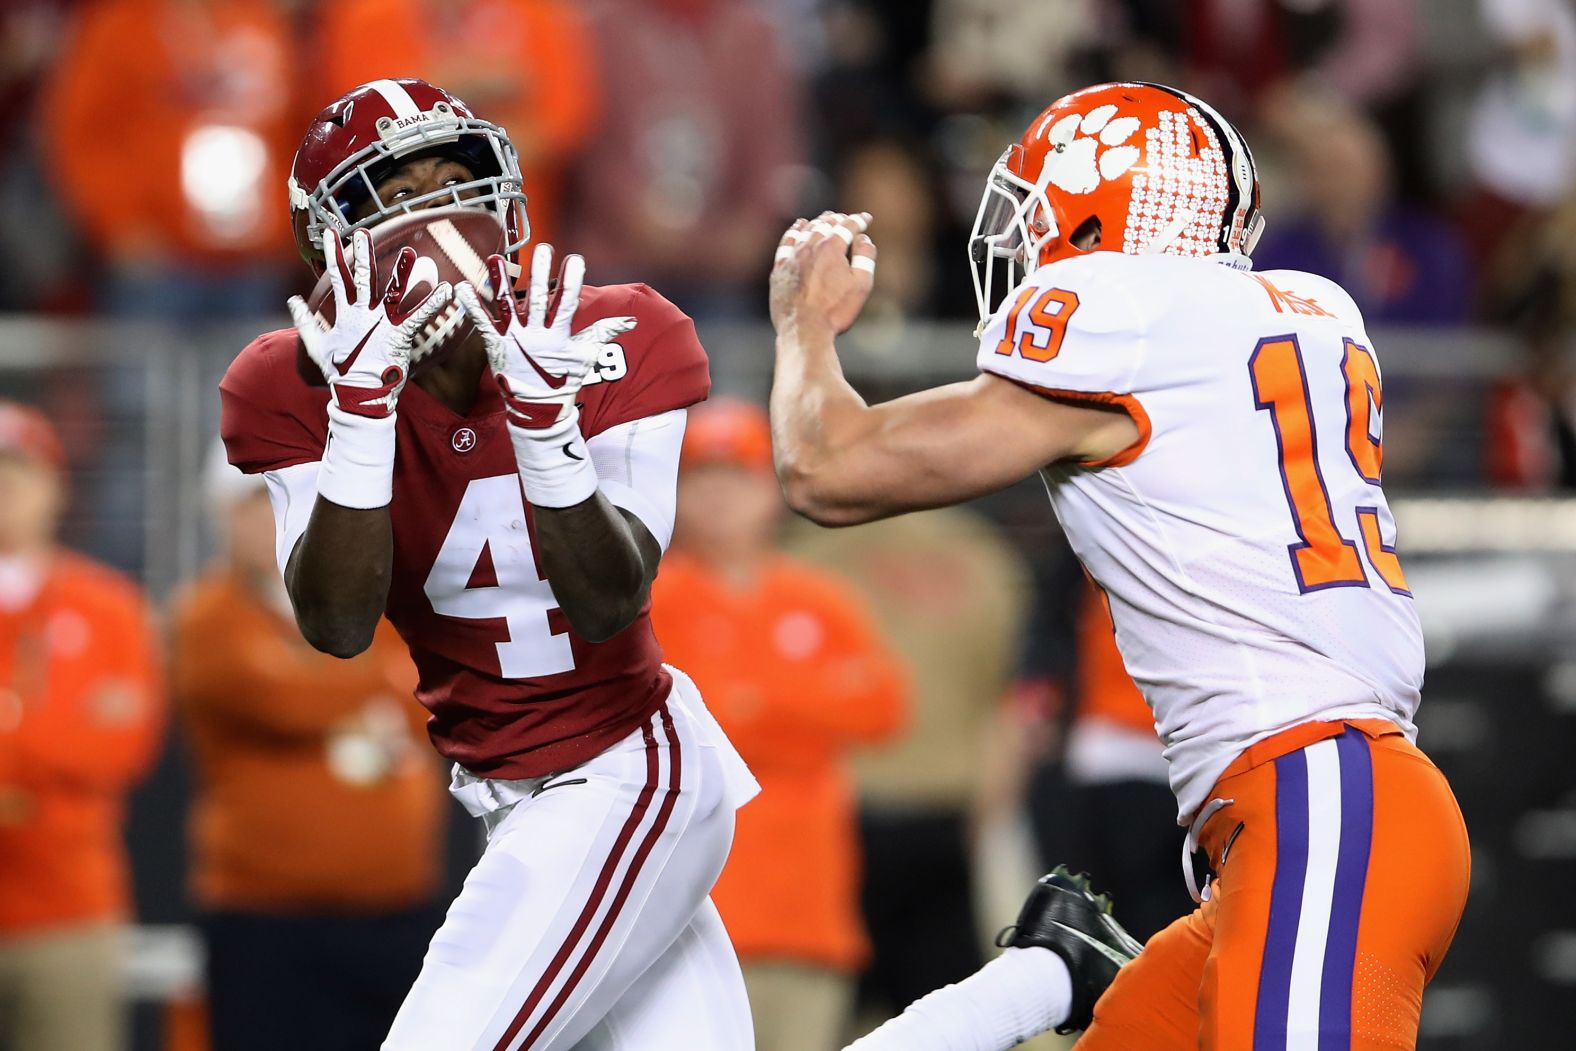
{"points": [[1156, 168]]}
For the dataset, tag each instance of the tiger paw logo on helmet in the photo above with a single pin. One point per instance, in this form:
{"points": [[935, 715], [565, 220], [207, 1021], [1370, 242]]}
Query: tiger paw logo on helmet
{"points": [[1149, 169], [1090, 148]]}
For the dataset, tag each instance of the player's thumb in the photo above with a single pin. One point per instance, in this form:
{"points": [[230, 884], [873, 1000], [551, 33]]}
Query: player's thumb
{"points": [[307, 326], [606, 330]]}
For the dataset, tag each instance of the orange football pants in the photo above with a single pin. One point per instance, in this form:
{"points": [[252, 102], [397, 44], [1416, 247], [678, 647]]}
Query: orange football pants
{"points": [[1341, 872]]}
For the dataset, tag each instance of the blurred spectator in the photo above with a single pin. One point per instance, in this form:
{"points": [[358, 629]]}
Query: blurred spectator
{"points": [[1401, 265], [984, 53], [80, 706], [1243, 56], [691, 175], [895, 181], [527, 65], [1107, 807], [864, 86], [316, 828], [1530, 425], [1232, 52], [37, 249], [1521, 137], [168, 126], [951, 595], [1547, 299], [789, 661], [30, 39]]}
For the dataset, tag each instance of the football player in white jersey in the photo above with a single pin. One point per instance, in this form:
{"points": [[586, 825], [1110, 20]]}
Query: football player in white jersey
{"points": [[1210, 439]]}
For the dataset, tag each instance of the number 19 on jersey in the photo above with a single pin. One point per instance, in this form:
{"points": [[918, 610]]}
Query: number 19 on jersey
{"points": [[1323, 557]]}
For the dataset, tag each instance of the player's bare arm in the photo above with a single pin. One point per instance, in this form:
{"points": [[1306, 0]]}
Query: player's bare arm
{"points": [[338, 576], [842, 461], [599, 561]]}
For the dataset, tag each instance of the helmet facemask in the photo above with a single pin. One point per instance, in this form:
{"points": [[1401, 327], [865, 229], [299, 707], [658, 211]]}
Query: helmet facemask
{"points": [[1014, 224], [482, 146]]}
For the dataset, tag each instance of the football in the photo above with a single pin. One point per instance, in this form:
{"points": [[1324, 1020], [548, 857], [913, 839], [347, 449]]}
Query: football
{"points": [[451, 244]]}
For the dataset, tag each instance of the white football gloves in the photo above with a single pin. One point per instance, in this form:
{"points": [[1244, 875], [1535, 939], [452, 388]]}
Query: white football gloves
{"points": [[365, 357], [540, 367]]}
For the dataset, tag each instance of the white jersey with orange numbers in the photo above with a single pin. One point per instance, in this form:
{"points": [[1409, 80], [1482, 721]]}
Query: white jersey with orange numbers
{"points": [[1244, 540]]}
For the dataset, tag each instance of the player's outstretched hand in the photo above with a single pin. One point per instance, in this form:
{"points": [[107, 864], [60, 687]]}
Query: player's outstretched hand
{"points": [[823, 271], [365, 354], [537, 362]]}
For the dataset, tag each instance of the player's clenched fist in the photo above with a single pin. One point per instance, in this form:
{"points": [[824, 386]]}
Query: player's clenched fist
{"points": [[539, 364], [823, 271], [365, 354]]}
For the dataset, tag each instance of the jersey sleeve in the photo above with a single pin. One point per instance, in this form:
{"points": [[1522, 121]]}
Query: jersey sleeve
{"points": [[658, 367], [1068, 330], [637, 467], [292, 492], [269, 418]]}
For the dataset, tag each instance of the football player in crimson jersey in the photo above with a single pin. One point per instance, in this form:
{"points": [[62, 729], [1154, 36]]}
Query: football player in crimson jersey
{"points": [[506, 507], [1210, 439]]}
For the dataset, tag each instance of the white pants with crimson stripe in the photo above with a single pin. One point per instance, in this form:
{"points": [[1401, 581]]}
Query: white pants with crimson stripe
{"points": [[586, 924]]}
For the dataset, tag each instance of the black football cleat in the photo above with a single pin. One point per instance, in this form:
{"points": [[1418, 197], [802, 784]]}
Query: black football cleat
{"points": [[1066, 917]]}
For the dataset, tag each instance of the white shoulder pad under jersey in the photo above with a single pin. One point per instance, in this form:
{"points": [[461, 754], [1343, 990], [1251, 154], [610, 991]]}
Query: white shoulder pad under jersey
{"points": [[1111, 325], [1074, 326], [1244, 540]]}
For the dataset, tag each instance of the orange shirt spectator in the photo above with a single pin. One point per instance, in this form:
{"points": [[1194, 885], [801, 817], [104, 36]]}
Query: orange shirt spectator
{"points": [[312, 787], [80, 722], [169, 126], [789, 661], [528, 65], [317, 822], [795, 673]]}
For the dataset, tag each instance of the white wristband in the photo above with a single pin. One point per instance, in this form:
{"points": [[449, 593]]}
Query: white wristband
{"points": [[555, 465], [358, 462]]}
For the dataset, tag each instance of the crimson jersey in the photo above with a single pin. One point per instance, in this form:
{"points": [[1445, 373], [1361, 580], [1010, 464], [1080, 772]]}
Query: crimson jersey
{"points": [[513, 691]]}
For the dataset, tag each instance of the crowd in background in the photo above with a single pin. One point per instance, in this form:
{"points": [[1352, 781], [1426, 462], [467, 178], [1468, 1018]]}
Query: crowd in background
{"points": [[1423, 155], [961, 666], [150, 137]]}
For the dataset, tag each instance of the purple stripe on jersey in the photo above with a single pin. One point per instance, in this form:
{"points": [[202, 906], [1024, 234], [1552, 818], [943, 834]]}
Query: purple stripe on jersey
{"points": [[1291, 870], [1351, 877]]}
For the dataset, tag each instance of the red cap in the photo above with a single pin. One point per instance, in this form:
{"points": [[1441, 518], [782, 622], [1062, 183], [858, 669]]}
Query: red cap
{"points": [[728, 431], [24, 431]]}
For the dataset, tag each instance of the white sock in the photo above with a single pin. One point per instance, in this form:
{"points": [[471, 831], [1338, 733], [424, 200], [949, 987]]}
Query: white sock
{"points": [[1019, 994]]}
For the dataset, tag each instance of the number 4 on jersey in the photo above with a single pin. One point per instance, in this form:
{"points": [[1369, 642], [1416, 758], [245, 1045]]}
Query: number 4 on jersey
{"points": [[1323, 557], [491, 523]]}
